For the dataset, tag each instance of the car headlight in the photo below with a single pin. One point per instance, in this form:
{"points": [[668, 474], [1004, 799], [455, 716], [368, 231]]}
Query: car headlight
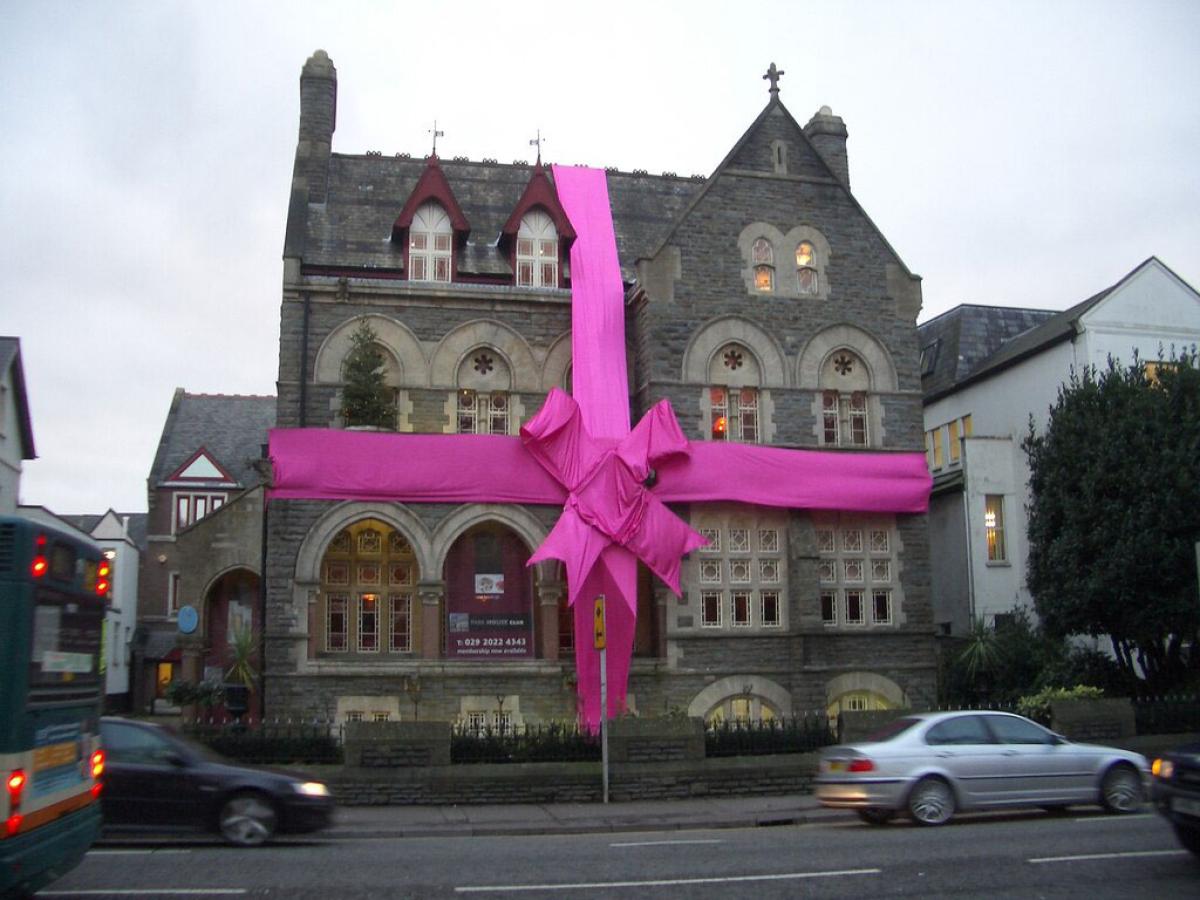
{"points": [[1162, 768], [310, 788]]}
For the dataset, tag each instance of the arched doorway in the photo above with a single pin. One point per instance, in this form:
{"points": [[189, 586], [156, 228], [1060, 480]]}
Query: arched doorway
{"points": [[233, 627], [489, 596]]}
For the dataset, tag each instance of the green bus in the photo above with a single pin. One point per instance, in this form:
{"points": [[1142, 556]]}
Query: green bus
{"points": [[54, 589]]}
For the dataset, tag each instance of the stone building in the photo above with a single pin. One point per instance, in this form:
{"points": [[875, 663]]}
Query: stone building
{"points": [[761, 301]]}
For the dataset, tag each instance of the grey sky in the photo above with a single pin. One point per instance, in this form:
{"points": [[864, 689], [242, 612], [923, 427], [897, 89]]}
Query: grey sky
{"points": [[1013, 153]]}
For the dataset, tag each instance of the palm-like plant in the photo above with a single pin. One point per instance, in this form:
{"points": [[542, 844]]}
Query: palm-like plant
{"points": [[243, 652]]}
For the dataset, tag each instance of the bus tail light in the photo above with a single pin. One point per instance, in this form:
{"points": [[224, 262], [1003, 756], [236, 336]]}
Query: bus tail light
{"points": [[16, 786], [103, 577], [97, 763]]}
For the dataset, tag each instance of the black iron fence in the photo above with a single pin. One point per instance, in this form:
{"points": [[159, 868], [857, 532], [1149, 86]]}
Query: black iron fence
{"points": [[1173, 714], [279, 741], [551, 742], [793, 734]]}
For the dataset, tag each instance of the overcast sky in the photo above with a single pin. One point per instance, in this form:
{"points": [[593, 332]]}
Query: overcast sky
{"points": [[1024, 154]]}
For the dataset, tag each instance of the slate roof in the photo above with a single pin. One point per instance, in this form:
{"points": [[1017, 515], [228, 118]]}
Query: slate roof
{"points": [[978, 341], [353, 228], [232, 428], [135, 524]]}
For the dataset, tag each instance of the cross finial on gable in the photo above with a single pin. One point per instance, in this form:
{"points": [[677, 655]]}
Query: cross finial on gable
{"points": [[436, 134], [538, 143], [773, 75]]}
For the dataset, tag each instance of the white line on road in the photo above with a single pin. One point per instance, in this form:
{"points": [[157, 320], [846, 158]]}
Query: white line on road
{"points": [[663, 882], [1110, 819], [1129, 854], [115, 852], [148, 892], [663, 843]]}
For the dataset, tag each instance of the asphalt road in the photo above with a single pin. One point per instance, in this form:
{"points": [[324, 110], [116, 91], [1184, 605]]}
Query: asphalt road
{"points": [[1027, 855]]}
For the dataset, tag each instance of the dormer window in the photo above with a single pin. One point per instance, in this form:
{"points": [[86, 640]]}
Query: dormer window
{"points": [[430, 240], [764, 266], [537, 251], [806, 268]]}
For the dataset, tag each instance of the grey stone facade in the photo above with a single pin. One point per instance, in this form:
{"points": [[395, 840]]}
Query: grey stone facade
{"points": [[694, 290]]}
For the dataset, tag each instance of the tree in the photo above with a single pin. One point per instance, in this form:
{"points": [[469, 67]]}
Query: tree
{"points": [[366, 399], [1115, 512]]}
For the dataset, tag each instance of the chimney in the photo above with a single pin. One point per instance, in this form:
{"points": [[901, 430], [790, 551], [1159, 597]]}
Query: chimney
{"points": [[827, 133], [318, 118]]}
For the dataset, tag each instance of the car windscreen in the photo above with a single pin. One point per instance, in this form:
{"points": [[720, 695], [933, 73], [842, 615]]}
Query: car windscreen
{"points": [[892, 729]]}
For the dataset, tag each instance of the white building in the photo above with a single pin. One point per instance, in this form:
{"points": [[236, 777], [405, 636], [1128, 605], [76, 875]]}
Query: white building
{"points": [[16, 431], [985, 372]]}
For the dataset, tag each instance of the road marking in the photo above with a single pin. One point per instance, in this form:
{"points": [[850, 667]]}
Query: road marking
{"points": [[148, 892], [116, 852], [663, 843], [1129, 854], [659, 882], [1110, 818]]}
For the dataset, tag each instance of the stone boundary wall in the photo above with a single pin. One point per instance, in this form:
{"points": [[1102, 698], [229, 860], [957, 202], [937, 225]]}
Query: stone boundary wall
{"points": [[389, 745], [570, 782]]}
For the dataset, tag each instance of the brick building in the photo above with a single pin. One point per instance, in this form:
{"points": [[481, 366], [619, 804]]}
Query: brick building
{"points": [[762, 301]]}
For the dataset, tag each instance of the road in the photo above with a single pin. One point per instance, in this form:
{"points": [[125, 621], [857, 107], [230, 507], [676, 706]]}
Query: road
{"points": [[1022, 855]]}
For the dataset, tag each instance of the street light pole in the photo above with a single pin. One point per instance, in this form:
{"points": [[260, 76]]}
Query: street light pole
{"points": [[600, 644]]}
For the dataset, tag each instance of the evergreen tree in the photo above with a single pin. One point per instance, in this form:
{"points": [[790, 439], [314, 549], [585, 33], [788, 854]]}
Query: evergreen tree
{"points": [[366, 399], [1115, 514]]}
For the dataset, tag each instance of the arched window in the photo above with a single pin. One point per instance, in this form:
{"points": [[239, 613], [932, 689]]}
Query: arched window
{"points": [[733, 396], [368, 578], [482, 398], [537, 251], [807, 278], [764, 266], [429, 244], [845, 413]]}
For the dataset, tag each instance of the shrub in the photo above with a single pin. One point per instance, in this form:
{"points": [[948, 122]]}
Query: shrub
{"points": [[1037, 706]]}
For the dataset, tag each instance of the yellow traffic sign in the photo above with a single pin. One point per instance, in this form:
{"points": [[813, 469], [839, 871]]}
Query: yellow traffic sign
{"points": [[599, 623]]}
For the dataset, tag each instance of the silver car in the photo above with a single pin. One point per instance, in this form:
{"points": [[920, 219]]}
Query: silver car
{"points": [[933, 764]]}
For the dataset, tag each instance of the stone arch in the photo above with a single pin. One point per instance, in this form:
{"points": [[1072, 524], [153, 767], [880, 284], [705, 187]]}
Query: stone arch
{"points": [[736, 686], [517, 518], [557, 365], [824, 255], [312, 548], [865, 345], [454, 347], [394, 337], [745, 242], [852, 682], [716, 333]]}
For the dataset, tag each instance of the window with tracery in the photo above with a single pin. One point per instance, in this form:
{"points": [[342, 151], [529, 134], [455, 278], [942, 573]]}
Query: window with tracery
{"points": [[741, 573], [856, 569], [808, 281], [368, 576], [734, 398], [430, 243], [845, 404], [482, 412], [537, 251], [764, 265]]}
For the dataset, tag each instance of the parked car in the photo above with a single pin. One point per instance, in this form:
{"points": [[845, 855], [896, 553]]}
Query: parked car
{"points": [[156, 779], [1176, 792], [934, 764]]}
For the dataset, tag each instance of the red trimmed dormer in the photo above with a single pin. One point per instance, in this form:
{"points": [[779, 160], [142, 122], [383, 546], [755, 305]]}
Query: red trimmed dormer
{"points": [[525, 251], [440, 227], [198, 487]]}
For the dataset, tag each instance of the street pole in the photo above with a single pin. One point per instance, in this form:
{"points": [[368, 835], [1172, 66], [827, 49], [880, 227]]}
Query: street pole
{"points": [[600, 644]]}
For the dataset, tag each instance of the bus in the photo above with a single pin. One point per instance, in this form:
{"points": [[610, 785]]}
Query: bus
{"points": [[54, 589]]}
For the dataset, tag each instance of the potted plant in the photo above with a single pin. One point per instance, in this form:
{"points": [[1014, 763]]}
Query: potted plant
{"points": [[241, 675]]}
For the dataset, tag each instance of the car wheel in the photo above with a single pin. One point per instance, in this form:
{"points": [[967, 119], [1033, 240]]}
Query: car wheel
{"points": [[1121, 790], [247, 820], [1189, 838], [876, 815], [931, 802]]}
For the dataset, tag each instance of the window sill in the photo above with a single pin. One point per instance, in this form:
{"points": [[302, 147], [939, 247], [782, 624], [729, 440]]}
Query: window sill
{"points": [[999, 564]]}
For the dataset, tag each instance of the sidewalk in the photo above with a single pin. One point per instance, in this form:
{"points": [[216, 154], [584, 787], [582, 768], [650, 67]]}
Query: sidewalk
{"points": [[360, 822]]}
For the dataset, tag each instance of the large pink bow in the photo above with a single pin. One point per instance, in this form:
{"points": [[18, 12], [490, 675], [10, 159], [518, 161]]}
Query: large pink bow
{"points": [[608, 501]]}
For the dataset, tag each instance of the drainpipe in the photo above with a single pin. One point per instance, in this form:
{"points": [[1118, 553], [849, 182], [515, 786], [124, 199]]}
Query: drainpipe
{"points": [[970, 542], [262, 612]]}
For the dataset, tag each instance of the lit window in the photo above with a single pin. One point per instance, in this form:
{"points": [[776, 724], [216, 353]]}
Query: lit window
{"points": [[955, 447], [482, 412], [993, 522], [734, 414], [764, 266], [537, 251], [806, 268], [429, 244]]}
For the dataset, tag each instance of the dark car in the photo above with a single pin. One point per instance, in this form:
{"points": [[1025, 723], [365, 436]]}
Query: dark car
{"points": [[1176, 792], [155, 779]]}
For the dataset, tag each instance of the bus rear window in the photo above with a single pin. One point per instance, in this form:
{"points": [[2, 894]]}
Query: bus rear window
{"points": [[66, 633]]}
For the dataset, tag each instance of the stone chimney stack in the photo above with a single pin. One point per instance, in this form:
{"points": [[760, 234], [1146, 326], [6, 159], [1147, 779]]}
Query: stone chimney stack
{"points": [[318, 118], [827, 133]]}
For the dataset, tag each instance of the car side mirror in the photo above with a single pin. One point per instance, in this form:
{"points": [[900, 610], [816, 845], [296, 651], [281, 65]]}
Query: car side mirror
{"points": [[1056, 739], [176, 760]]}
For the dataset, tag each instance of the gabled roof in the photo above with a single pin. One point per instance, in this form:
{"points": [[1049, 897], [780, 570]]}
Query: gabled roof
{"points": [[10, 361], [540, 192], [979, 341], [231, 428], [432, 185]]}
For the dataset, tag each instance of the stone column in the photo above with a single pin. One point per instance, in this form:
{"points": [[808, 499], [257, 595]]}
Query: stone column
{"points": [[550, 594], [432, 593]]}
